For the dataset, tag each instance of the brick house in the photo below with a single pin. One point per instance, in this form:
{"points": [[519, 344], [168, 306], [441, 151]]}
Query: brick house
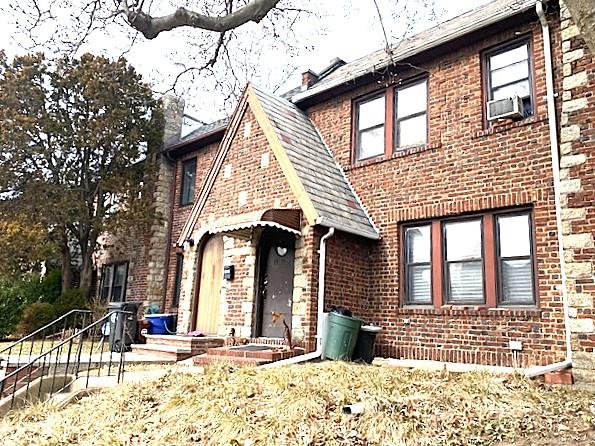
{"points": [[439, 223]]}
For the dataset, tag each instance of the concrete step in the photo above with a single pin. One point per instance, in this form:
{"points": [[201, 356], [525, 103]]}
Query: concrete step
{"points": [[197, 344], [166, 352]]}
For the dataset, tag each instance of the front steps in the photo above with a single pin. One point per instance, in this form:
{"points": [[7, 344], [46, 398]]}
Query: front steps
{"points": [[176, 348], [249, 355]]}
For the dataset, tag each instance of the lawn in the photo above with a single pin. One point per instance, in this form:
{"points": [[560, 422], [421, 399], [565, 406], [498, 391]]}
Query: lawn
{"points": [[302, 405], [34, 348]]}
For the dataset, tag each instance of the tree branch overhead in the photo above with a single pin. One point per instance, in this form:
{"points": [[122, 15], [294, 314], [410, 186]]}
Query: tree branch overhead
{"points": [[151, 27]]}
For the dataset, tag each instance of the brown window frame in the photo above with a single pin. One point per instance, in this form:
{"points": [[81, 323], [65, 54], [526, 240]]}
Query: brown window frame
{"points": [[357, 132], [502, 48], [407, 265], [500, 259], [109, 296], [184, 200], [396, 137], [445, 262], [491, 271]]}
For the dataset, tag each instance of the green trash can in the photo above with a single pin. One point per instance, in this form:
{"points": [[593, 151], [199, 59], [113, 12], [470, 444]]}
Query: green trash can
{"points": [[341, 336]]}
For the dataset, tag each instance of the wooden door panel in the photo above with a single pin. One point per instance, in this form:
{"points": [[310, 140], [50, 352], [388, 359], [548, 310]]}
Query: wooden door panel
{"points": [[209, 294]]}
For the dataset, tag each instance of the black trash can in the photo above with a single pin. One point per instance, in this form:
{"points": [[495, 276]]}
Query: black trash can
{"points": [[364, 347], [122, 327]]}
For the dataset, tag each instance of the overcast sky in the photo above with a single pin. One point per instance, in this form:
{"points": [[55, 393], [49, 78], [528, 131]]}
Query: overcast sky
{"points": [[342, 32]]}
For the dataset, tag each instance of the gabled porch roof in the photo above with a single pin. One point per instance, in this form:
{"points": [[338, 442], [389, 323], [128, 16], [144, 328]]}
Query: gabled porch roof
{"points": [[316, 179]]}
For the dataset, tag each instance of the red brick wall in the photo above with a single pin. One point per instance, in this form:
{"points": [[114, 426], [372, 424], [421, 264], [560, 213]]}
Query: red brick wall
{"points": [[463, 169], [204, 158]]}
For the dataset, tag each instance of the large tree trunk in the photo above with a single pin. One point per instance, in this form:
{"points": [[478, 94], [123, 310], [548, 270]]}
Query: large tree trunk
{"points": [[87, 273], [66, 265], [583, 14]]}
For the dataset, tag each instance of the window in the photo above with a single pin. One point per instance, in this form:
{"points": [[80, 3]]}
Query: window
{"points": [[509, 74], [411, 117], [113, 282], [370, 117], [418, 267], [485, 259], [178, 279], [463, 262], [188, 181], [515, 265]]}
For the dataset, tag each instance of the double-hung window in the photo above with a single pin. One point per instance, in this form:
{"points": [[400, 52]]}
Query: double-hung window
{"points": [[514, 259], [411, 114], [188, 181], [418, 266], [463, 261], [113, 282], [486, 259], [509, 74], [370, 135]]}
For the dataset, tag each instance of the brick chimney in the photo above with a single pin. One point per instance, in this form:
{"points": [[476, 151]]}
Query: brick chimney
{"points": [[173, 114], [308, 79]]}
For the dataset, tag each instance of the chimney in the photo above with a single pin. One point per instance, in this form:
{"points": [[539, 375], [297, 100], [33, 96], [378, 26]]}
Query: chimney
{"points": [[308, 79], [173, 117]]}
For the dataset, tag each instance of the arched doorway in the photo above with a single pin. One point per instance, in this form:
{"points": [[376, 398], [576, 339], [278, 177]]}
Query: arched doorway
{"points": [[210, 279]]}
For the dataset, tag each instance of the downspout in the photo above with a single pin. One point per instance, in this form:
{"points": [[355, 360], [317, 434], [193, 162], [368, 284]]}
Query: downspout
{"points": [[168, 247], [320, 310], [553, 126]]}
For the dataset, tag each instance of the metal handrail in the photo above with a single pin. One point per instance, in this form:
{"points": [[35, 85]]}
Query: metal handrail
{"points": [[42, 329], [45, 358]]}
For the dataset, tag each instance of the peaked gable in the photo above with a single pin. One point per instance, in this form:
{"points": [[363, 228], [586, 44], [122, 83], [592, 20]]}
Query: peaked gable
{"points": [[315, 178]]}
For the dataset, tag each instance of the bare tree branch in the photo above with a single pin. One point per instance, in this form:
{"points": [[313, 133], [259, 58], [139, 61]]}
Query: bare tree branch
{"points": [[151, 26]]}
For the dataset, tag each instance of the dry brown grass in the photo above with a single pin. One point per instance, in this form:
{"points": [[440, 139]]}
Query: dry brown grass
{"points": [[302, 405]]}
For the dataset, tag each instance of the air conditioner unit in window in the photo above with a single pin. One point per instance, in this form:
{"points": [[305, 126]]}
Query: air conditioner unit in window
{"points": [[505, 108]]}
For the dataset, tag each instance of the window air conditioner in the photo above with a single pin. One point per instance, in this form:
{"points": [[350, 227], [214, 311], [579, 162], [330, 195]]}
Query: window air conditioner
{"points": [[505, 108]]}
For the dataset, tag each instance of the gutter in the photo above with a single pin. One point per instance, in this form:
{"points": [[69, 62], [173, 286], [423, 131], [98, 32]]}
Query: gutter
{"points": [[320, 310], [553, 126]]}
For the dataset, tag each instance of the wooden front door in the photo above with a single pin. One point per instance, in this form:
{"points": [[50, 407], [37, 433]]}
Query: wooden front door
{"points": [[209, 294], [277, 253]]}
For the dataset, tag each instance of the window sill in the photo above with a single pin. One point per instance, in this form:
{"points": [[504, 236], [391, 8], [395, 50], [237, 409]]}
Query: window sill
{"points": [[451, 310], [500, 128], [397, 154], [185, 205]]}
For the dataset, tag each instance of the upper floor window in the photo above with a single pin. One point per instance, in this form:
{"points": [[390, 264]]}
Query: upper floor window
{"points": [[479, 260], [188, 181], [508, 71], [369, 135], [411, 117], [113, 282]]}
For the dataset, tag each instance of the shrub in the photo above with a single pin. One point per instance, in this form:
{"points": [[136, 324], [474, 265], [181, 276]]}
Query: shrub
{"points": [[70, 300], [16, 294], [11, 308], [36, 316]]}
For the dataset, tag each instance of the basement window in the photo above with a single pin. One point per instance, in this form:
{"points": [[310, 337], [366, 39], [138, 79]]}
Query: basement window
{"points": [[113, 282], [369, 135], [188, 181]]}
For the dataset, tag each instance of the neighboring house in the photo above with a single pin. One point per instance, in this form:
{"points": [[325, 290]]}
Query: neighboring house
{"points": [[445, 221]]}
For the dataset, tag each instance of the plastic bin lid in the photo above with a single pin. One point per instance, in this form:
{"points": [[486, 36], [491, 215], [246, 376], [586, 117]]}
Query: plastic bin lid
{"points": [[159, 315], [371, 328]]}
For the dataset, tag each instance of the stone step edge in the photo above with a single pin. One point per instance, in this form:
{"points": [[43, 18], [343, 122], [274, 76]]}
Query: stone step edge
{"points": [[161, 348]]}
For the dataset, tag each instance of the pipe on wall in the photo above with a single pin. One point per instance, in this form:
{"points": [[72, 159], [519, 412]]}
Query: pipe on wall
{"points": [[553, 127], [320, 310]]}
